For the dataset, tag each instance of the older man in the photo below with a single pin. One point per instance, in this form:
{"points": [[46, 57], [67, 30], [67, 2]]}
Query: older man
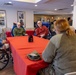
{"points": [[19, 31], [41, 31]]}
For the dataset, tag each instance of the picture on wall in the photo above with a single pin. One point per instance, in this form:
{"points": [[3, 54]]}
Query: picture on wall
{"points": [[2, 17], [20, 17]]}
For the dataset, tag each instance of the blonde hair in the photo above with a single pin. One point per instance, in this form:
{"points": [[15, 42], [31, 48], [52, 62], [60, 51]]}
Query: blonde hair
{"points": [[62, 25]]}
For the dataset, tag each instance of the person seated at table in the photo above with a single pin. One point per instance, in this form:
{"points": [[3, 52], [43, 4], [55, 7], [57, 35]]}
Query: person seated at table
{"points": [[22, 24], [60, 52], [18, 31], [41, 31], [3, 44]]}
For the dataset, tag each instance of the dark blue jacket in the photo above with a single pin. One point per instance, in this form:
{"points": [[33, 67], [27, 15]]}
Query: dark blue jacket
{"points": [[13, 29]]}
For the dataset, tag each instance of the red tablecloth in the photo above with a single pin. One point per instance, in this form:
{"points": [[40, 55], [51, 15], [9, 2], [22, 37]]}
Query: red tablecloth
{"points": [[20, 48]]}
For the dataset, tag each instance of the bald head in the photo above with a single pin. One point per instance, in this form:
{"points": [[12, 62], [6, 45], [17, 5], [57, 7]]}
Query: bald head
{"points": [[39, 23], [18, 25]]}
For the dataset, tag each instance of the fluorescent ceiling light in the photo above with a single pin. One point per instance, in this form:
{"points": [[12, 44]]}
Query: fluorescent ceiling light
{"points": [[55, 9], [36, 5], [36, 1], [10, 2], [72, 5], [29, 1]]}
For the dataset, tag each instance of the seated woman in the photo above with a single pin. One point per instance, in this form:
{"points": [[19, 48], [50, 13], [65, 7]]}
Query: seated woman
{"points": [[60, 52], [4, 44], [41, 31], [18, 31]]}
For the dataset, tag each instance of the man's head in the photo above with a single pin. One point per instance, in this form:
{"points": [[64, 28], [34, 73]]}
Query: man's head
{"points": [[21, 22], [18, 25], [39, 23]]}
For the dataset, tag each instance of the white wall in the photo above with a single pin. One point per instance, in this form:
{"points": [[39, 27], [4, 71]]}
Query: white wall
{"points": [[11, 16], [74, 15], [29, 19]]}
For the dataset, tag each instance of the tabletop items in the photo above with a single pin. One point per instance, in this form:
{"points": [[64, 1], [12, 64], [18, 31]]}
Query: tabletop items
{"points": [[34, 56], [30, 38]]}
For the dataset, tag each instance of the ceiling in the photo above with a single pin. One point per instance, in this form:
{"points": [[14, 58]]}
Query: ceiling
{"points": [[44, 6]]}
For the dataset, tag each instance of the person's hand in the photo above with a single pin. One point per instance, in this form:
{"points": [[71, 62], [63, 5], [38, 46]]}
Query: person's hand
{"points": [[4, 41], [26, 34], [42, 35]]}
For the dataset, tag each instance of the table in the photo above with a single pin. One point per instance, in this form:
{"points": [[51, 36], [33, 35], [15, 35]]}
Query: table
{"points": [[20, 48]]}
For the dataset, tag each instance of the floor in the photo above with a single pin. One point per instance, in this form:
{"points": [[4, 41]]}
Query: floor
{"points": [[8, 70]]}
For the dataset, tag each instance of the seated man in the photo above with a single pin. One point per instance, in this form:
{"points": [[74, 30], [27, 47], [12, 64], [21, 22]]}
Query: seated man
{"points": [[41, 31], [19, 31]]}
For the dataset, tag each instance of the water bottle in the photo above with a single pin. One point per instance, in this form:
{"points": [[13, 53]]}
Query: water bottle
{"points": [[30, 38]]}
